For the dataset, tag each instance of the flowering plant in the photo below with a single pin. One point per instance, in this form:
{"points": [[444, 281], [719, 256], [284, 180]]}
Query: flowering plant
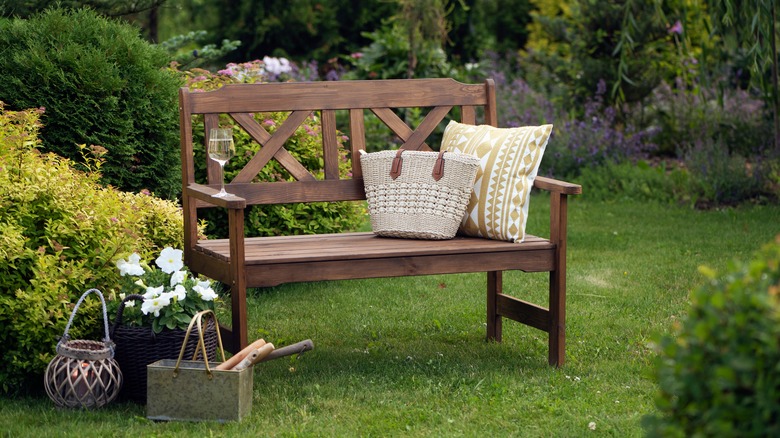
{"points": [[171, 295]]}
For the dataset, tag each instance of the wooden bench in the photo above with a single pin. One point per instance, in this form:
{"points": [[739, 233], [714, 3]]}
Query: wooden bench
{"points": [[241, 262]]}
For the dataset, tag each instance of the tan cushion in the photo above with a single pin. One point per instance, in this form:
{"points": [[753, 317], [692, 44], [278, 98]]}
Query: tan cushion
{"points": [[509, 160]]}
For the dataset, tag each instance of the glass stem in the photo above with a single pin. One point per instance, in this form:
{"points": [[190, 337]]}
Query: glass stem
{"points": [[222, 179]]}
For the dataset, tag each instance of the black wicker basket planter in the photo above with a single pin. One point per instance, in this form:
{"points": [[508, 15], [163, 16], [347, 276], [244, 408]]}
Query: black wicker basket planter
{"points": [[136, 347]]}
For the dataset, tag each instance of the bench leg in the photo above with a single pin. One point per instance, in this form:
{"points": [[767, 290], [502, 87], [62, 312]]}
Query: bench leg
{"points": [[494, 285], [238, 336], [557, 341]]}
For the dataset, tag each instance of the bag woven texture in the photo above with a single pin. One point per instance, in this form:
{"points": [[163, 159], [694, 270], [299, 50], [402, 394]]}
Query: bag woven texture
{"points": [[415, 205]]}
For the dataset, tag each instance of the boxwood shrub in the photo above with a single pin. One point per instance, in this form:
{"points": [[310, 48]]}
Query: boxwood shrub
{"points": [[101, 84], [719, 370]]}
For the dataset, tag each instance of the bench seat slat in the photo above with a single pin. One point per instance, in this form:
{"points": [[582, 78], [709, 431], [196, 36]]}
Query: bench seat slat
{"points": [[270, 261], [353, 246]]}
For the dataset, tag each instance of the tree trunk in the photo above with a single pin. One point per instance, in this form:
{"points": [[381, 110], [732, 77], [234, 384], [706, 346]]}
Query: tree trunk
{"points": [[775, 89], [154, 25]]}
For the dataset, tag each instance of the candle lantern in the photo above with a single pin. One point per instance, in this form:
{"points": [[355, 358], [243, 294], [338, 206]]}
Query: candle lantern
{"points": [[83, 373]]}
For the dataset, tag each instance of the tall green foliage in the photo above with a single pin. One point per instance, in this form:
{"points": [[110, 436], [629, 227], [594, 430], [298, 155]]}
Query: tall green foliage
{"points": [[305, 29], [752, 26], [627, 43], [60, 232], [101, 84], [28, 8]]}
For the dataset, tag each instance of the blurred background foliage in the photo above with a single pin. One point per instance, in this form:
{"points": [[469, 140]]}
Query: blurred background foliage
{"points": [[689, 85]]}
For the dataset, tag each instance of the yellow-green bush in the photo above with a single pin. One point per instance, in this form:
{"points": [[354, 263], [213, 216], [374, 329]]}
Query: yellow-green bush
{"points": [[60, 233], [718, 372]]}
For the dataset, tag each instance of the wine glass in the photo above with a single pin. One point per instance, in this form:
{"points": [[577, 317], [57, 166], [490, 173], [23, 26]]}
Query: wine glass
{"points": [[221, 149]]}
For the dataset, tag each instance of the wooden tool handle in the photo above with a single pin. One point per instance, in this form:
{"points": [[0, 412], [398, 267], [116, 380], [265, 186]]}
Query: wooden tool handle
{"points": [[298, 348], [254, 357], [241, 355]]}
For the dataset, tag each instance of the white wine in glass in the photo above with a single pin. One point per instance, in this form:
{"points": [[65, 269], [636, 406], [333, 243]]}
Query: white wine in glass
{"points": [[221, 150]]}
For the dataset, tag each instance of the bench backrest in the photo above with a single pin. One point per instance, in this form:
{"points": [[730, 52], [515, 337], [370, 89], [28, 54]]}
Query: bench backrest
{"points": [[302, 99]]}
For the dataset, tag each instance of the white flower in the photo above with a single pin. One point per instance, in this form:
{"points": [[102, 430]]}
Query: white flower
{"points": [[155, 305], [276, 66], [170, 260], [592, 425], [153, 292], [179, 292], [203, 288], [130, 303], [131, 266], [178, 277]]}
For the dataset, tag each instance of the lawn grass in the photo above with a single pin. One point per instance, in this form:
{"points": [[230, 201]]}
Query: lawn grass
{"points": [[407, 356]]}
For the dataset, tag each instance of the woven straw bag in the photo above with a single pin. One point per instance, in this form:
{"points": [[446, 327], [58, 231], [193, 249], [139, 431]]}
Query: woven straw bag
{"points": [[417, 195]]}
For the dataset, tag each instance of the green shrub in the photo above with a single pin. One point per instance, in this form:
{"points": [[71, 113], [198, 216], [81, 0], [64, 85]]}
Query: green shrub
{"points": [[639, 182], [305, 145], [721, 177], [684, 116], [60, 234], [719, 370], [101, 84], [387, 57]]}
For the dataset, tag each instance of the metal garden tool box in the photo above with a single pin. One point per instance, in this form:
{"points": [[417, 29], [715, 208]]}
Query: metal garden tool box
{"points": [[193, 390]]}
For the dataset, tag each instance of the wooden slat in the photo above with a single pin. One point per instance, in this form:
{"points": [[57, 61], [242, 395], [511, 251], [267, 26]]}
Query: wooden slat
{"points": [[296, 191], [330, 145], [553, 185], [525, 312], [246, 98], [250, 125], [351, 246], [468, 115], [357, 139], [189, 206], [272, 146], [260, 135], [491, 112], [398, 126], [426, 127], [321, 270], [213, 170]]}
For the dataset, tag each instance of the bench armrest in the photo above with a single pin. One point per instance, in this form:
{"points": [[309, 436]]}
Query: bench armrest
{"points": [[554, 185], [206, 194]]}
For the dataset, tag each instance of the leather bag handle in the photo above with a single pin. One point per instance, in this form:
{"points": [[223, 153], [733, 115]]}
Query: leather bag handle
{"points": [[438, 167]]}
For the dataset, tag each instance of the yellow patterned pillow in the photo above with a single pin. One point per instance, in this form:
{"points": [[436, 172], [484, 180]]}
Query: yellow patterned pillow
{"points": [[509, 160]]}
